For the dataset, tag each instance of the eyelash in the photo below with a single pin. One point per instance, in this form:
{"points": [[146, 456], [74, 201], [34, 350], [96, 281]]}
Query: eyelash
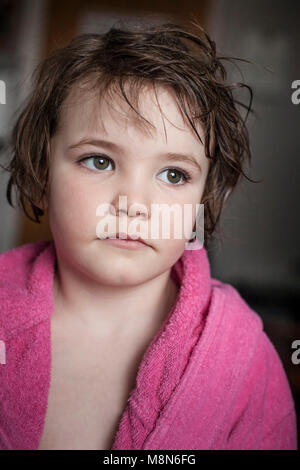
{"points": [[186, 176]]}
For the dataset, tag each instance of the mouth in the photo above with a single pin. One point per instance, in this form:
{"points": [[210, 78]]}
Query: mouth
{"points": [[123, 240], [125, 236]]}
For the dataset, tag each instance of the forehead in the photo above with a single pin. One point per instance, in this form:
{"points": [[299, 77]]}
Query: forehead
{"points": [[90, 112]]}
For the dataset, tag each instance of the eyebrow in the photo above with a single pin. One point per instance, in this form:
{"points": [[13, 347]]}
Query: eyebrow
{"points": [[118, 148]]}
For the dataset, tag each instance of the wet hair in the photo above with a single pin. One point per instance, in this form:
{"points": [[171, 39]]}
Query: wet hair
{"points": [[181, 57]]}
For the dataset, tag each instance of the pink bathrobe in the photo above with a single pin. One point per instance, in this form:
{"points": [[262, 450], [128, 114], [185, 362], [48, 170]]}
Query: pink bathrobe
{"points": [[209, 379]]}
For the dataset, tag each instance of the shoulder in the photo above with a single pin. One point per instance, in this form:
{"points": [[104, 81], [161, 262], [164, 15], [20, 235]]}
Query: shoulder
{"points": [[263, 397], [243, 328], [17, 271], [264, 409], [231, 334], [236, 315], [15, 264]]}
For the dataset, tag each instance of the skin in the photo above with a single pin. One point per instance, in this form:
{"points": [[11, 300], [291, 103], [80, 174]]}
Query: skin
{"points": [[101, 290]]}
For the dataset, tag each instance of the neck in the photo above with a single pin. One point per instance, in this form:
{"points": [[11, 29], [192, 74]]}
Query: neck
{"points": [[110, 311]]}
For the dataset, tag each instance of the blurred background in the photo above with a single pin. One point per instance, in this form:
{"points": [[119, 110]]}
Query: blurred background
{"points": [[257, 249]]}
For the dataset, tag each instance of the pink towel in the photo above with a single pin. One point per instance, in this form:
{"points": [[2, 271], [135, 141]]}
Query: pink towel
{"points": [[209, 379]]}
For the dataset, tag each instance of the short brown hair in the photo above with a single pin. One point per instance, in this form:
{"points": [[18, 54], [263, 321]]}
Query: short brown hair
{"points": [[168, 54]]}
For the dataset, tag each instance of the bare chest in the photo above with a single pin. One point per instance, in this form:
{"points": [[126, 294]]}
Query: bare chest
{"points": [[89, 388]]}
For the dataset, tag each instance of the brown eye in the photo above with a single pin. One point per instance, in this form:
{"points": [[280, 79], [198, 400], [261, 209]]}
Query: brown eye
{"points": [[98, 162], [174, 176]]}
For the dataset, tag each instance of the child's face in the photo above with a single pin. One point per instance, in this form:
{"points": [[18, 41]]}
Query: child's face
{"points": [[136, 169]]}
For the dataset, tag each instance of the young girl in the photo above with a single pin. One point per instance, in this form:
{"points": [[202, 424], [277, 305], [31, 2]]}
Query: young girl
{"points": [[116, 344]]}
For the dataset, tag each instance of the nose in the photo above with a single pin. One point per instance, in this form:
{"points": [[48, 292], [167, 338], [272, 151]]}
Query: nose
{"points": [[133, 197]]}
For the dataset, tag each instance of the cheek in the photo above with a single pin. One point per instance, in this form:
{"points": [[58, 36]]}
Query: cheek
{"points": [[169, 252], [184, 217], [72, 207]]}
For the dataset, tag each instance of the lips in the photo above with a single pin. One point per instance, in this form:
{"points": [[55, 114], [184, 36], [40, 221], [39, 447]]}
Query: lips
{"points": [[125, 236]]}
